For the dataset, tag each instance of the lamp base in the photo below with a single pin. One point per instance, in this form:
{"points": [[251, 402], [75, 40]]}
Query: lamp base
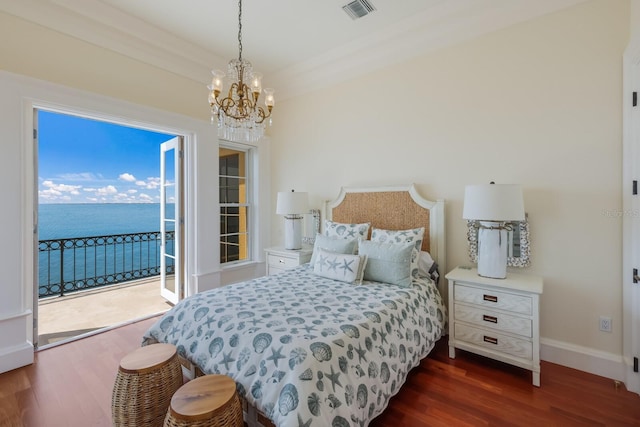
{"points": [[293, 232], [492, 250]]}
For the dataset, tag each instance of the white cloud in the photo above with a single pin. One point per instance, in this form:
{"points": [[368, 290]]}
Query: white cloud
{"points": [[127, 177], [129, 190], [150, 184], [109, 189], [54, 188]]}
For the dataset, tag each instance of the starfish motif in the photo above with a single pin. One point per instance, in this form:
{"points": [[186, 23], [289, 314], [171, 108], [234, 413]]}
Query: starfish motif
{"points": [[276, 355], [361, 353], [335, 314], [383, 336], [210, 320], [321, 260], [309, 328], [226, 359], [333, 265], [333, 377], [346, 266], [255, 321], [351, 233]]}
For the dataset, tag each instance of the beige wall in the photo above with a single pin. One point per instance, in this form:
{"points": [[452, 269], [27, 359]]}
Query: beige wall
{"points": [[537, 104]]}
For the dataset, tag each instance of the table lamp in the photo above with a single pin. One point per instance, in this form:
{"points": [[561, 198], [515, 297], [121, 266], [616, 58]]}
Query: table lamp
{"points": [[292, 205], [491, 206]]}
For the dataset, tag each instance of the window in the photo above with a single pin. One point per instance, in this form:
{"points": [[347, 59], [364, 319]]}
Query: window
{"points": [[234, 205]]}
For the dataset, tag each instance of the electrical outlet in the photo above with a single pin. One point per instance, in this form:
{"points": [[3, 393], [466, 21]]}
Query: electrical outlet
{"points": [[605, 324]]}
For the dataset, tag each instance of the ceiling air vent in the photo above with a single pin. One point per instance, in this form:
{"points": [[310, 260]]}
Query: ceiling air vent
{"points": [[358, 8]]}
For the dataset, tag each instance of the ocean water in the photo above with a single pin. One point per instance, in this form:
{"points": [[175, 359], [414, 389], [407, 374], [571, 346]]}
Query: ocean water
{"points": [[57, 221], [89, 263]]}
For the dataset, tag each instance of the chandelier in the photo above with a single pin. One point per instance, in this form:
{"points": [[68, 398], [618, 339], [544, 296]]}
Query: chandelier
{"points": [[238, 115]]}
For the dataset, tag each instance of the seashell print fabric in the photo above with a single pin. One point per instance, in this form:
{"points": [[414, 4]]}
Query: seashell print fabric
{"points": [[306, 350]]}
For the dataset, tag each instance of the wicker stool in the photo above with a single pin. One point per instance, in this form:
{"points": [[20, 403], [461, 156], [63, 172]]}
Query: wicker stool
{"points": [[146, 380], [208, 401]]}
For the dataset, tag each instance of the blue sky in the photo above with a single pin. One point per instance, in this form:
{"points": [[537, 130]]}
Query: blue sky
{"points": [[88, 161]]}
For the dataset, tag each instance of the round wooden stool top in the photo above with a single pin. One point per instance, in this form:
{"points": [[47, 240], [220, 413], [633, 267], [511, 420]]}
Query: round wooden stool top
{"points": [[210, 397], [147, 358], [146, 380]]}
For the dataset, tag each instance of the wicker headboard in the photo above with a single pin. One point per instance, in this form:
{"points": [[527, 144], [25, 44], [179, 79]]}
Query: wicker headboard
{"points": [[393, 208]]}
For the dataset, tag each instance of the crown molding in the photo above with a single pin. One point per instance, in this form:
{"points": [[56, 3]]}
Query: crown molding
{"points": [[106, 27], [442, 25], [447, 24]]}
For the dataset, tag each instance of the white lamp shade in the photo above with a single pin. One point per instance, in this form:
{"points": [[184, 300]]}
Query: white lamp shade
{"points": [[292, 203], [493, 202]]}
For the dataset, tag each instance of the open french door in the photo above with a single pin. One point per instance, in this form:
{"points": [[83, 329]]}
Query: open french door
{"points": [[172, 220]]}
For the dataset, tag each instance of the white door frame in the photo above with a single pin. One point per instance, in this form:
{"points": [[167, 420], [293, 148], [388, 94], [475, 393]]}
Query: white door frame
{"points": [[176, 292], [631, 214], [34, 106]]}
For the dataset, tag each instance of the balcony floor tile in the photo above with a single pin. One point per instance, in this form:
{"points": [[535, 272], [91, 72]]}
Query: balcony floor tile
{"points": [[60, 318]]}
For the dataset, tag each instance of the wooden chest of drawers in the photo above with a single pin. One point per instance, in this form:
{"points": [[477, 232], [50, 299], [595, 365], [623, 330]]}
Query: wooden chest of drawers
{"points": [[497, 318]]}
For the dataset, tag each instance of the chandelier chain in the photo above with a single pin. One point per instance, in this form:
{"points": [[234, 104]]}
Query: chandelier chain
{"points": [[240, 30]]}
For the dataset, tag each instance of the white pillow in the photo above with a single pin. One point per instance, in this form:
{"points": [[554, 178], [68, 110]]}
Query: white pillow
{"points": [[346, 231], [413, 235], [427, 267], [342, 267], [387, 262], [332, 244]]}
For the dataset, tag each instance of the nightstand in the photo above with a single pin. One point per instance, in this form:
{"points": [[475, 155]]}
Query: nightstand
{"points": [[280, 259], [496, 318]]}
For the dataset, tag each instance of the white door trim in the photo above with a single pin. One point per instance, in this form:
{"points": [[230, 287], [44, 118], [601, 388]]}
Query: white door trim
{"points": [[630, 214], [176, 146]]}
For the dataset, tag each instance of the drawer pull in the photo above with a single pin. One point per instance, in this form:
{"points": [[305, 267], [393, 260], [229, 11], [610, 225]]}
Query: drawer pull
{"points": [[491, 340], [281, 261], [490, 298], [488, 318]]}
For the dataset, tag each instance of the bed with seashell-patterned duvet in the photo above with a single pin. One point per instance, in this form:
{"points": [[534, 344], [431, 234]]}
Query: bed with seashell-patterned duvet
{"points": [[309, 350], [306, 350]]}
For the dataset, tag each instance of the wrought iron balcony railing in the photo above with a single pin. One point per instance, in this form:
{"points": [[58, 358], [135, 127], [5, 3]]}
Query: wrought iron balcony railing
{"points": [[79, 263]]}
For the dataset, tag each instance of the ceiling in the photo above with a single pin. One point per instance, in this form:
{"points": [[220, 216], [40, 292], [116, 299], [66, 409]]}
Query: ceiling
{"points": [[299, 45]]}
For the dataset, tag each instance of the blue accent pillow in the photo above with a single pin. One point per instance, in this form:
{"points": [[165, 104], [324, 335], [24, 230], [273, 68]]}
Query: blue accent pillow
{"points": [[414, 235], [387, 262]]}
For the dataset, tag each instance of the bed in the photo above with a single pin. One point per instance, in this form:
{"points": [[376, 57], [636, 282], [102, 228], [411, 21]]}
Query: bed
{"points": [[308, 350]]}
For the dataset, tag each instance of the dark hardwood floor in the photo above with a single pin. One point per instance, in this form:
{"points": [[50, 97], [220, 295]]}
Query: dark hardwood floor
{"points": [[70, 385]]}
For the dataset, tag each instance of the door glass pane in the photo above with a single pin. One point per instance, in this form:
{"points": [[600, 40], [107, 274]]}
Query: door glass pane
{"points": [[170, 240], [170, 187], [170, 283]]}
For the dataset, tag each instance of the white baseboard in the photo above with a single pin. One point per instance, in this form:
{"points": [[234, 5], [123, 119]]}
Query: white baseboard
{"points": [[585, 359], [16, 357], [15, 348]]}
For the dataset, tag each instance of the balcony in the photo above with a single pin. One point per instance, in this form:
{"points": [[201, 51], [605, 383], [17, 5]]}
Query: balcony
{"points": [[96, 282]]}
